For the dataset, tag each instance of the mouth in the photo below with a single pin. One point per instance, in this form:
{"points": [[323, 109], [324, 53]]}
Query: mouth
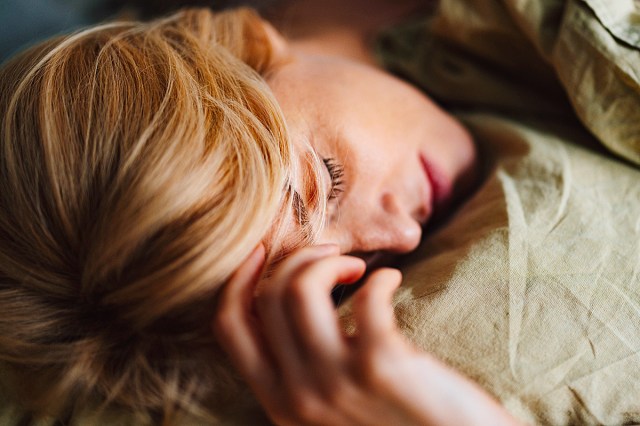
{"points": [[441, 185]]}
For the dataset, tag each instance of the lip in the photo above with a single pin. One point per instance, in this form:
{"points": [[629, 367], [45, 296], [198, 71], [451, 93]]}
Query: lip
{"points": [[441, 185]]}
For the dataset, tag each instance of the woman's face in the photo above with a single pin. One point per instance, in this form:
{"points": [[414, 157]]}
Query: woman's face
{"points": [[396, 158]]}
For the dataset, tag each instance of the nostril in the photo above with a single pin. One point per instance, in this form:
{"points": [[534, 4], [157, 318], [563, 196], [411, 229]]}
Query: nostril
{"points": [[422, 214]]}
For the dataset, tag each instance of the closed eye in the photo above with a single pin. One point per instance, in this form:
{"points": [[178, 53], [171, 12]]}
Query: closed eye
{"points": [[336, 173]]}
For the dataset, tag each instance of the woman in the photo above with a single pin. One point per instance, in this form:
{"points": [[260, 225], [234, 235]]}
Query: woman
{"points": [[151, 169]]}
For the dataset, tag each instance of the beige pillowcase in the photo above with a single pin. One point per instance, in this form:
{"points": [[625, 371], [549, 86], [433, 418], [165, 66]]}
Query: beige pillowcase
{"points": [[533, 288]]}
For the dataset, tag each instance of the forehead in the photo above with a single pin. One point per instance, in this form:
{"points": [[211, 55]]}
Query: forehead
{"points": [[331, 93], [320, 83], [328, 101]]}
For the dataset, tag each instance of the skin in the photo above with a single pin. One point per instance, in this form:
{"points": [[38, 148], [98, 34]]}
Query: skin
{"points": [[282, 332], [380, 129], [287, 343]]}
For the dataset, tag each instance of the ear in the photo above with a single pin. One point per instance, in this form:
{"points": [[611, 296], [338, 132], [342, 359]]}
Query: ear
{"points": [[280, 46]]}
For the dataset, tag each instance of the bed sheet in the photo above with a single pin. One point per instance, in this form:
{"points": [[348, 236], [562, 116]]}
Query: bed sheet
{"points": [[533, 287]]}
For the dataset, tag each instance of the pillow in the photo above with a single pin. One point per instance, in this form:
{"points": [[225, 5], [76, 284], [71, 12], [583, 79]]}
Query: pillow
{"points": [[533, 289], [549, 58]]}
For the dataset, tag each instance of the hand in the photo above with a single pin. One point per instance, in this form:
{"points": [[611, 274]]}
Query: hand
{"points": [[288, 345]]}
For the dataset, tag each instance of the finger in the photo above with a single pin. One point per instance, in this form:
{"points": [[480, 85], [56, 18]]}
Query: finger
{"points": [[372, 308], [310, 309], [233, 324], [269, 302], [298, 259]]}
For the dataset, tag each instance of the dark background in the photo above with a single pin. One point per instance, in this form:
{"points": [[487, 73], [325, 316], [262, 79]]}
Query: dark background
{"points": [[24, 22]]}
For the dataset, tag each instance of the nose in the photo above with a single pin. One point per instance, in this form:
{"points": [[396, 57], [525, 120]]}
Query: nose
{"points": [[387, 226]]}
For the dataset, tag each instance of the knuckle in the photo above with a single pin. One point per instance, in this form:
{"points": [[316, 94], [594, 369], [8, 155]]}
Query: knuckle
{"points": [[374, 366], [296, 291], [267, 297], [307, 407], [335, 392]]}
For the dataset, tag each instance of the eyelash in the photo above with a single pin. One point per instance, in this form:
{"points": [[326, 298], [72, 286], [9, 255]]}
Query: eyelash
{"points": [[336, 173]]}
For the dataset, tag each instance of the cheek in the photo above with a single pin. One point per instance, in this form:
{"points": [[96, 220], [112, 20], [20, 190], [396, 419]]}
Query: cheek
{"points": [[334, 235], [341, 224], [452, 142], [462, 146]]}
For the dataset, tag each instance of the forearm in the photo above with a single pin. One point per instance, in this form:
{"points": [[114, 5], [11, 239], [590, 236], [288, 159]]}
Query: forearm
{"points": [[448, 397]]}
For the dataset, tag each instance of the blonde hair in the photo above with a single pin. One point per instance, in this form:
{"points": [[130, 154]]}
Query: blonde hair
{"points": [[140, 164]]}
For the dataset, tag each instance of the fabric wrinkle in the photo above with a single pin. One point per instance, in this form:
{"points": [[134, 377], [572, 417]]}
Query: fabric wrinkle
{"points": [[565, 191], [518, 259]]}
